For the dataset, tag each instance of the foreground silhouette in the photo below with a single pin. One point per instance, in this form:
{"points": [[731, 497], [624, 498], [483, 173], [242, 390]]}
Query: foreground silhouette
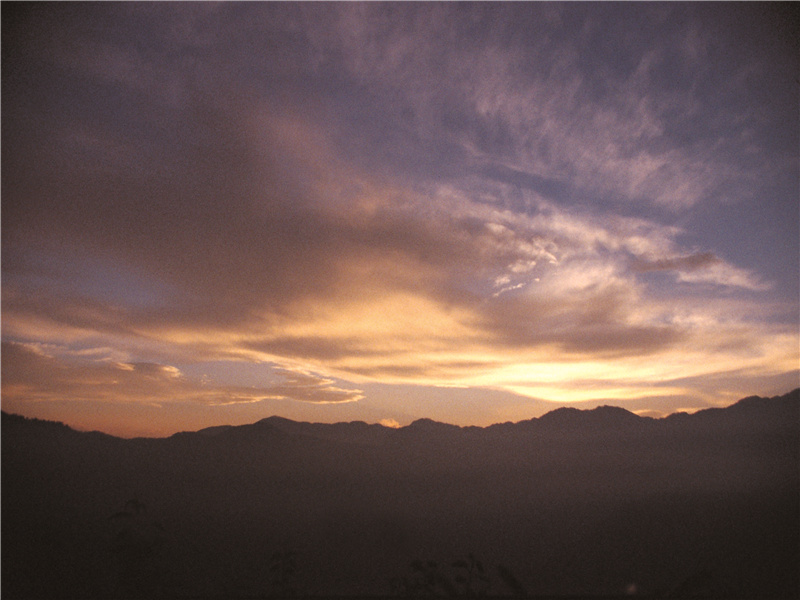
{"points": [[137, 544], [576, 503]]}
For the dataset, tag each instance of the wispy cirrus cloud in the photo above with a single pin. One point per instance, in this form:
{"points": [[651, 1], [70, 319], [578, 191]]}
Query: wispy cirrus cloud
{"points": [[548, 106], [490, 195], [37, 373], [703, 267], [383, 281]]}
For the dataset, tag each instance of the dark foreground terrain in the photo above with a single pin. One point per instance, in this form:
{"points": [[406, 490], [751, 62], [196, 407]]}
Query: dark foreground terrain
{"points": [[575, 503]]}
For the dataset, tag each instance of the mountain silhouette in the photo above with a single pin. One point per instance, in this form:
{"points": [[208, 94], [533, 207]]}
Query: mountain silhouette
{"points": [[573, 503], [601, 418]]}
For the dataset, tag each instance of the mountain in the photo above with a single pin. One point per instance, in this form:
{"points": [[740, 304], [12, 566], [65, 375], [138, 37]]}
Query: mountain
{"points": [[576, 502], [597, 420], [747, 414], [602, 418]]}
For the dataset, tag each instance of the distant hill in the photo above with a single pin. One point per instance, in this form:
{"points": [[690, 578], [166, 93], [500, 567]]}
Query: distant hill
{"points": [[786, 406], [576, 502], [753, 411]]}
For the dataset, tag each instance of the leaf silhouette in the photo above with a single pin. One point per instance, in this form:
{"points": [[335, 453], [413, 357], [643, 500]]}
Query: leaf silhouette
{"points": [[512, 583]]}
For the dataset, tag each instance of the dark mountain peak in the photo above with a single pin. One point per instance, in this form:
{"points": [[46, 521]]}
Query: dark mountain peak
{"points": [[216, 430], [276, 421], [11, 419], [352, 431], [748, 416], [752, 405], [306, 428], [615, 414], [33, 426], [430, 425], [597, 419], [760, 403], [565, 414], [749, 401], [354, 425], [748, 412], [283, 426]]}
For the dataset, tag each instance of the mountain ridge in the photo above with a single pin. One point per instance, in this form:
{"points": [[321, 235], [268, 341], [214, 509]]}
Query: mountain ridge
{"points": [[565, 417], [578, 504]]}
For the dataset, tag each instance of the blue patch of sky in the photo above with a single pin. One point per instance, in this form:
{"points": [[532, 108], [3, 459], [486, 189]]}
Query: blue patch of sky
{"points": [[761, 236], [99, 279]]}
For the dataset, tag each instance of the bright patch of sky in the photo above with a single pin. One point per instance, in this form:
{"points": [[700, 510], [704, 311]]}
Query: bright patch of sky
{"points": [[471, 212]]}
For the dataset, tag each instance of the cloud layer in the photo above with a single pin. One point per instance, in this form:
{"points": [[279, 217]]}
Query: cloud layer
{"points": [[487, 195]]}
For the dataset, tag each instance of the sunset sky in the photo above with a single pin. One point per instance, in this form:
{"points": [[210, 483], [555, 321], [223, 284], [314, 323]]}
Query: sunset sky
{"points": [[476, 213]]}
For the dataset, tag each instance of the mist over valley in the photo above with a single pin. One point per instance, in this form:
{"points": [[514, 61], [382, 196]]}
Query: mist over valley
{"points": [[576, 503]]}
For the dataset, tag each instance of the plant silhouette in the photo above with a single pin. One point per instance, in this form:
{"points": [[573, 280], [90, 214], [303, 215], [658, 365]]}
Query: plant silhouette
{"points": [[471, 578], [283, 574], [584, 503], [466, 577], [511, 582], [137, 545], [426, 579]]}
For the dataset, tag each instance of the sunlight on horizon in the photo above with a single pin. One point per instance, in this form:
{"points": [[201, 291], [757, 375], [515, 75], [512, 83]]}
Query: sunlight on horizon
{"points": [[462, 212]]}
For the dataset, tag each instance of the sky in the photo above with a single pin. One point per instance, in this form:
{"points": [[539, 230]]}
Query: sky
{"points": [[476, 213]]}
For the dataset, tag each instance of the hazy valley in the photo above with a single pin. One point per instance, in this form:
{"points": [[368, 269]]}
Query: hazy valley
{"points": [[578, 503]]}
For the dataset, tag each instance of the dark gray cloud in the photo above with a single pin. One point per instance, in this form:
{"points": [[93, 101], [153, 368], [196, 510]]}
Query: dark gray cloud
{"points": [[40, 373], [691, 262], [434, 191]]}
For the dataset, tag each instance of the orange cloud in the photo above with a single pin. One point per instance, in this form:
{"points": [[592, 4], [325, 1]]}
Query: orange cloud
{"points": [[33, 374], [475, 220]]}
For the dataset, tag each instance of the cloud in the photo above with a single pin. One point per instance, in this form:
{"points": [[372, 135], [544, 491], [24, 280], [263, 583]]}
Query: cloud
{"points": [[690, 262], [491, 195], [721, 273], [373, 281], [35, 373], [558, 104], [376, 280], [702, 267]]}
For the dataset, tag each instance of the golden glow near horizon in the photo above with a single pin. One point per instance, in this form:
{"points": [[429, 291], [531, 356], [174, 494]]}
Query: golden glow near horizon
{"points": [[474, 244]]}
